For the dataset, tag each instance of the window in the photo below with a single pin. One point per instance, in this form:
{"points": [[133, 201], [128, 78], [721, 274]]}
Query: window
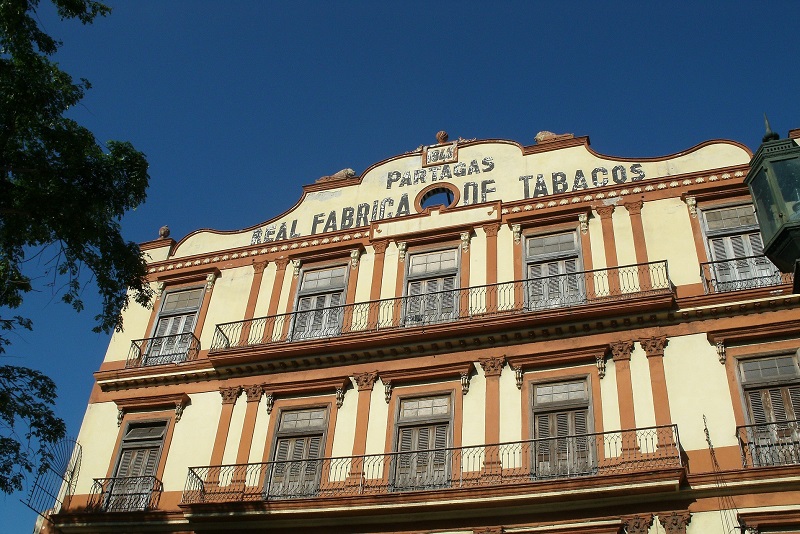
{"points": [[772, 392], [175, 326], [295, 469], [562, 445], [431, 294], [737, 252], [134, 481], [423, 434], [319, 303], [553, 264]]}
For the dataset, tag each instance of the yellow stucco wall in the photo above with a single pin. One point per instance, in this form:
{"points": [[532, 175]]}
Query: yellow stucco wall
{"points": [[642, 389], [134, 321], [192, 439], [596, 239], [265, 290], [378, 420], [668, 234], [510, 407], [228, 301], [697, 384], [477, 258], [345, 431], [623, 236], [610, 398], [473, 426], [390, 267], [707, 523], [260, 432], [366, 265], [505, 254], [97, 437], [235, 431]]}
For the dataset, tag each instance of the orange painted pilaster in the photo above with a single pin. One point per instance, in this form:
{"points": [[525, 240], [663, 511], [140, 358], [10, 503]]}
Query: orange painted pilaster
{"points": [[654, 348], [252, 298], [377, 280], [492, 368], [610, 247], [350, 296], [253, 393], [621, 354], [201, 315], [296, 263], [464, 284], [277, 285], [229, 396], [639, 244], [364, 383], [491, 264]]}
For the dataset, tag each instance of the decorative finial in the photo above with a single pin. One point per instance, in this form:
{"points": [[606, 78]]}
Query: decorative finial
{"points": [[442, 137], [163, 232], [770, 135]]}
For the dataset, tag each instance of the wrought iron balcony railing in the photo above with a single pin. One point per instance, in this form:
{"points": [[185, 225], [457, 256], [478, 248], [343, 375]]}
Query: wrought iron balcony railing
{"points": [[521, 462], [508, 298], [741, 273], [159, 350], [770, 444], [125, 494]]}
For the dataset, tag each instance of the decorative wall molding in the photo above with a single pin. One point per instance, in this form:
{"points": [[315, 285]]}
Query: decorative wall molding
{"points": [[254, 392], [465, 241], [210, 279], [491, 229], [634, 207], [380, 246], [605, 211], [401, 251], [691, 203], [516, 230], [355, 255], [601, 366], [179, 401], [339, 397], [720, 346], [270, 402], [259, 266], [296, 264], [583, 219], [459, 371]]}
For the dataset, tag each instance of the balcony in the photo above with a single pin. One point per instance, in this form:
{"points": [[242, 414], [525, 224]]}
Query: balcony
{"points": [[161, 350], [124, 494], [742, 273], [769, 444], [532, 296], [522, 464]]}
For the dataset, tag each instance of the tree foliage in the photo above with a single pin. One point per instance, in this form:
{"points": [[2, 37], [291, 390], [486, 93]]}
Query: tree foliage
{"points": [[62, 195]]}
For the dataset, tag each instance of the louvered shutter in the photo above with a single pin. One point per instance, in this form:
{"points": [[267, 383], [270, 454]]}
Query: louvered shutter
{"points": [[440, 453], [414, 302], [302, 318], [281, 457], [448, 298], [423, 443], [535, 285], [757, 411], [334, 312], [314, 443], [794, 401], [406, 445], [542, 444], [157, 344]]}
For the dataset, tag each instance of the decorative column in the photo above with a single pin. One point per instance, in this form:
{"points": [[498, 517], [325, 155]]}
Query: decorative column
{"points": [[364, 383], [350, 296], [277, 285], [211, 278], [639, 244], [519, 269], [621, 354], [654, 348], [465, 264], [229, 396], [675, 522], [609, 247], [377, 282], [252, 298], [253, 394], [491, 265], [492, 368], [637, 524]]}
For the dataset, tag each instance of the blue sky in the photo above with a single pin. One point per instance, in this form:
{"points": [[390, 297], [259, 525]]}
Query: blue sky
{"points": [[237, 104]]}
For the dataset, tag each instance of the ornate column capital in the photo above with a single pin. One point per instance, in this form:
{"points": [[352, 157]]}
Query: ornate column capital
{"points": [[380, 246], [654, 346], [253, 392], [621, 350], [282, 263], [634, 207], [229, 395], [258, 267], [492, 366], [365, 381], [491, 229], [605, 211], [637, 524], [675, 522]]}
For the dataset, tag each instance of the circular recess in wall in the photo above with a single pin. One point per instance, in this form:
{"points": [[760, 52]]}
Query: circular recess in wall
{"points": [[442, 195]]}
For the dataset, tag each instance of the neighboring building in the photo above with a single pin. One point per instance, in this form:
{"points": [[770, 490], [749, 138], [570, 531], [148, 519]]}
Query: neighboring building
{"points": [[472, 337]]}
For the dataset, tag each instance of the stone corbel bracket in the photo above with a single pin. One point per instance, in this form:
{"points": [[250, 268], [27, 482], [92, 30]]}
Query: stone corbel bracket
{"points": [[177, 402]]}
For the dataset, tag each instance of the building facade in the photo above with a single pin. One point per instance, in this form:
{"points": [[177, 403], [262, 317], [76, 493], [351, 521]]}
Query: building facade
{"points": [[472, 337]]}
